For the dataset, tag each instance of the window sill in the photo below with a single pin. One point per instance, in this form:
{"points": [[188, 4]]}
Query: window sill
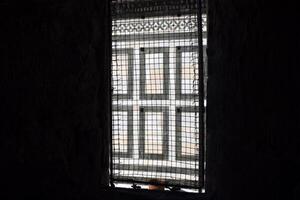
{"points": [[124, 193]]}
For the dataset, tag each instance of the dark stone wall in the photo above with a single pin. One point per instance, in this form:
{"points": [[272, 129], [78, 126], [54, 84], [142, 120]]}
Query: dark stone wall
{"points": [[253, 108], [54, 98]]}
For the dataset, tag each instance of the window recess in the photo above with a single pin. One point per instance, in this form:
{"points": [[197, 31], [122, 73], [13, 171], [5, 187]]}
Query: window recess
{"points": [[158, 92]]}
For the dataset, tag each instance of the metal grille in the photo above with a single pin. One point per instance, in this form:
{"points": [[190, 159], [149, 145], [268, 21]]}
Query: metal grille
{"points": [[157, 92]]}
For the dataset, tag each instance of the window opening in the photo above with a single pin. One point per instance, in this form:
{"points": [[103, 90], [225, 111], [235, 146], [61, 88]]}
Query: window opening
{"points": [[158, 93]]}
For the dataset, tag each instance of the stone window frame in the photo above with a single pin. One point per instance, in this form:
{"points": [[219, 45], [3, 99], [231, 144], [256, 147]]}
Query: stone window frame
{"points": [[178, 83], [165, 148], [179, 111], [166, 85], [130, 53], [129, 110]]}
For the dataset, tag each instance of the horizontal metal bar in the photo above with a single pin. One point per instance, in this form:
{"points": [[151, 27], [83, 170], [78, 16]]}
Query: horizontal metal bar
{"points": [[154, 168], [155, 37]]}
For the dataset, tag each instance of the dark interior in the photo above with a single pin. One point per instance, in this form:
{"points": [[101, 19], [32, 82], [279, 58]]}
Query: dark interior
{"points": [[54, 102]]}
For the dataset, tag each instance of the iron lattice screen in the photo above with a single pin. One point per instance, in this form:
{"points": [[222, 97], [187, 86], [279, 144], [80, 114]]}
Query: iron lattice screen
{"points": [[157, 92]]}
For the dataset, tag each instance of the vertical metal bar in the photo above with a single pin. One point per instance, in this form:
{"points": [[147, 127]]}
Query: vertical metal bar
{"points": [[201, 97], [110, 95]]}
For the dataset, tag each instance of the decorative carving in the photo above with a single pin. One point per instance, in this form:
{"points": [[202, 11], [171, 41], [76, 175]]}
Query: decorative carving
{"points": [[140, 8], [172, 24]]}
